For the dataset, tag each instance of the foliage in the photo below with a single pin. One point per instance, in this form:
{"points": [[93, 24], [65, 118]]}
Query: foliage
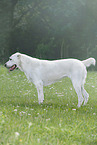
{"points": [[44, 50], [56, 121], [70, 26]]}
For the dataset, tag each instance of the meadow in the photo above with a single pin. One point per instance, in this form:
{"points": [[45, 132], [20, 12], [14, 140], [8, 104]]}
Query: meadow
{"points": [[57, 121]]}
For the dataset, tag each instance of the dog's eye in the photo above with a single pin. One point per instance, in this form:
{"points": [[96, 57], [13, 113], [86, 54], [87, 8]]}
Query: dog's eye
{"points": [[10, 59]]}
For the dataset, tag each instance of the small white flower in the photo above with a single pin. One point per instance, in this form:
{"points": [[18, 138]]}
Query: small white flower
{"points": [[48, 119], [38, 140], [23, 112], [93, 86], [15, 110], [51, 88], [17, 134], [20, 113], [94, 113], [60, 124], [30, 124], [74, 109], [32, 109]]}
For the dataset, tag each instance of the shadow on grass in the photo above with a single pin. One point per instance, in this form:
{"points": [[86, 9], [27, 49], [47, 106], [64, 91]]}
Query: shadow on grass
{"points": [[30, 102]]}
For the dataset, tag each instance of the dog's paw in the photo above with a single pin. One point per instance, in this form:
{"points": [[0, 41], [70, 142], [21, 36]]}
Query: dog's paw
{"points": [[41, 101]]}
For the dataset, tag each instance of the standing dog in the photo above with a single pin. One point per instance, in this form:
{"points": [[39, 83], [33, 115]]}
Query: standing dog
{"points": [[44, 72]]}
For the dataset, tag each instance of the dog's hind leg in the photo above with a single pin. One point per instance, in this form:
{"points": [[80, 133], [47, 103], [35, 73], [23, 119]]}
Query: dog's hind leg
{"points": [[85, 94], [77, 88], [39, 86]]}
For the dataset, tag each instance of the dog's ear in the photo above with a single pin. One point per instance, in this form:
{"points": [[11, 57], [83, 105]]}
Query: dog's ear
{"points": [[18, 55], [19, 61]]}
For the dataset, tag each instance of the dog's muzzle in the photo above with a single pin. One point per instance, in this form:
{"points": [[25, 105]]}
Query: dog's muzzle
{"points": [[13, 67]]}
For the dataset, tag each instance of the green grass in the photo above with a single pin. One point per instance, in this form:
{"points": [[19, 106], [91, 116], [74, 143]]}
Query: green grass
{"points": [[57, 121]]}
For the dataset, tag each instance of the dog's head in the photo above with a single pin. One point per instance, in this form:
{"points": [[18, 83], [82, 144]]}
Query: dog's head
{"points": [[14, 61]]}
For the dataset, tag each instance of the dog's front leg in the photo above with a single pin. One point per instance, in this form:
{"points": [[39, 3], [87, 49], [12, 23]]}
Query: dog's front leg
{"points": [[39, 87]]}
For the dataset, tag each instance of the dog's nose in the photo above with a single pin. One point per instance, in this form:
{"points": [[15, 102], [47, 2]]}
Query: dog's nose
{"points": [[5, 64]]}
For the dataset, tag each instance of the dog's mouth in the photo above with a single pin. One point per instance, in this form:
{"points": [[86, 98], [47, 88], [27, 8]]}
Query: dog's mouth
{"points": [[13, 67]]}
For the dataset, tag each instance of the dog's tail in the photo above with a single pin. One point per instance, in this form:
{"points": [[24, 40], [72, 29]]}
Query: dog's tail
{"points": [[89, 61]]}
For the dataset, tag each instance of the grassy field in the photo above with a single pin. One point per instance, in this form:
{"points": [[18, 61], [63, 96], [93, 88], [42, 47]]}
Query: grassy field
{"points": [[57, 121]]}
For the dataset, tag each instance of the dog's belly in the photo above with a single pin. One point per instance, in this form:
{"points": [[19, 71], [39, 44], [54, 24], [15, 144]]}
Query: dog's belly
{"points": [[48, 81]]}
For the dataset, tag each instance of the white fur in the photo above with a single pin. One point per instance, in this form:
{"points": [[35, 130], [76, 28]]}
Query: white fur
{"points": [[44, 72]]}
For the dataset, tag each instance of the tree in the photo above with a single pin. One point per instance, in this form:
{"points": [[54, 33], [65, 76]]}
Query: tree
{"points": [[6, 22], [49, 29]]}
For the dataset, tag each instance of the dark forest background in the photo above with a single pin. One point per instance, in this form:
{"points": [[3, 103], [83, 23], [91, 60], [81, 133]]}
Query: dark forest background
{"points": [[48, 29]]}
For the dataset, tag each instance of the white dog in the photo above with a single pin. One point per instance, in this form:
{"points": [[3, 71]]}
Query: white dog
{"points": [[44, 72]]}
